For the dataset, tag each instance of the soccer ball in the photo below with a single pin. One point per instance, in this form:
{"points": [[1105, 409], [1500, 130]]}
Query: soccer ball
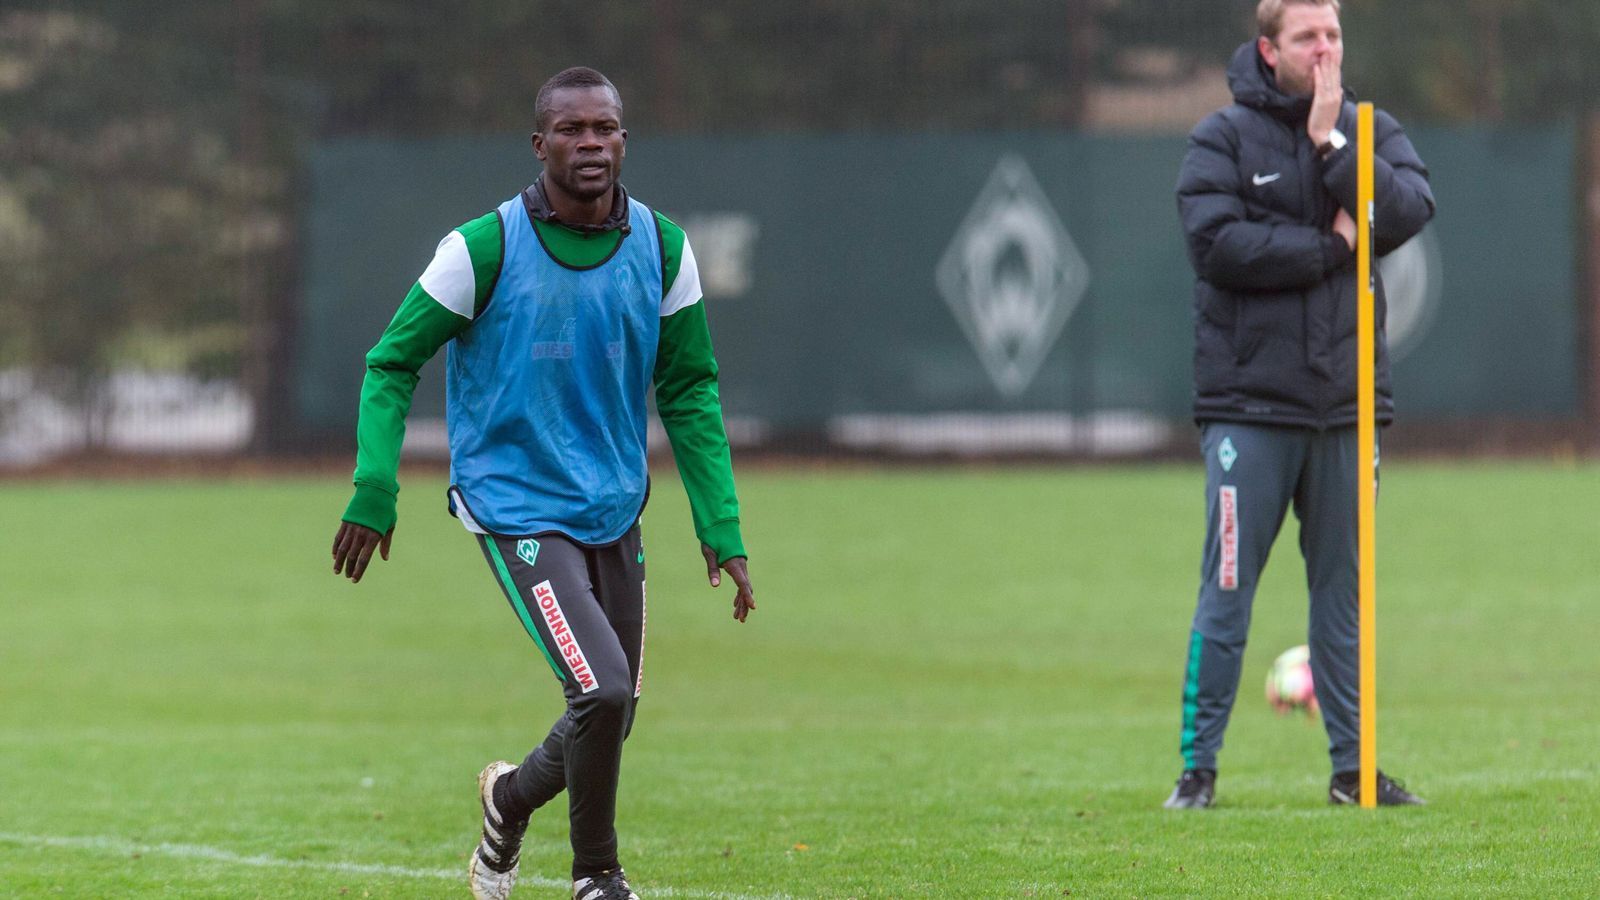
{"points": [[1289, 686]]}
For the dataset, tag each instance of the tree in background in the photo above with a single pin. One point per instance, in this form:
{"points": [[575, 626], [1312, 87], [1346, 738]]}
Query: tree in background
{"points": [[149, 152], [121, 186]]}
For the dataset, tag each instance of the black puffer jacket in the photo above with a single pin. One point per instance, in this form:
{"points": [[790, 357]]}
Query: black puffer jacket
{"points": [[1275, 292]]}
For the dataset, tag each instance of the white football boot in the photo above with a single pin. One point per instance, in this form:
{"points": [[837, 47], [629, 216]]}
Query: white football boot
{"points": [[493, 870]]}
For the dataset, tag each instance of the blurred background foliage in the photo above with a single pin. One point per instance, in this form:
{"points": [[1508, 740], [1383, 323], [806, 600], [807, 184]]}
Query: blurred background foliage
{"points": [[150, 152]]}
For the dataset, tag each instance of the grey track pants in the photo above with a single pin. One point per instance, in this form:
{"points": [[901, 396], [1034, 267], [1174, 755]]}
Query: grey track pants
{"points": [[1254, 474], [585, 609]]}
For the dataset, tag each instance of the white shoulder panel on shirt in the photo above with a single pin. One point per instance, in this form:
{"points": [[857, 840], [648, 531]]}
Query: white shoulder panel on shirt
{"points": [[686, 287], [449, 279]]}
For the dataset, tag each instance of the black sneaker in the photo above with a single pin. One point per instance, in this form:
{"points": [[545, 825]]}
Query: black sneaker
{"points": [[608, 885], [1345, 788], [493, 870], [1196, 789]]}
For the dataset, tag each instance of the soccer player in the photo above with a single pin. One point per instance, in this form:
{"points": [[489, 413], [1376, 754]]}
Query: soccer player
{"points": [[1267, 194], [559, 309]]}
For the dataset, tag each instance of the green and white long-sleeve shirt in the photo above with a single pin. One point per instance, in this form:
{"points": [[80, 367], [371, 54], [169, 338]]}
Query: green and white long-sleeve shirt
{"points": [[455, 288]]}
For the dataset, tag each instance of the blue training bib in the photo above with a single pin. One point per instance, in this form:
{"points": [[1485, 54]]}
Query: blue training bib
{"points": [[546, 392]]}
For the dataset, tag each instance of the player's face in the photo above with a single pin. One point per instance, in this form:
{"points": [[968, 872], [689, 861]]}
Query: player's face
{"points": [[583, 142], [1309, 35]]}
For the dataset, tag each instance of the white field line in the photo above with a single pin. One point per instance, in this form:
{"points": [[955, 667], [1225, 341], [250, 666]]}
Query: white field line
{"points": [[121, 847]]}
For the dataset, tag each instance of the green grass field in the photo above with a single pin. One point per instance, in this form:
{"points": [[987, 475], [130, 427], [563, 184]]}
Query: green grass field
{"points": [[958, 684]]}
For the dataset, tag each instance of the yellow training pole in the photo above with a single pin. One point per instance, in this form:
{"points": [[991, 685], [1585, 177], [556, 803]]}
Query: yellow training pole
{"points": [[1366, 438]]}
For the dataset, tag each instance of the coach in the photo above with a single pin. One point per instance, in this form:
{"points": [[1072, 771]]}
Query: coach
{"points": [[1267, 195]]}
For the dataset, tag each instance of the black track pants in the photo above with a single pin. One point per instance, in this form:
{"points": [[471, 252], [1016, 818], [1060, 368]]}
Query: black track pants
{"points": [[584, 608]]}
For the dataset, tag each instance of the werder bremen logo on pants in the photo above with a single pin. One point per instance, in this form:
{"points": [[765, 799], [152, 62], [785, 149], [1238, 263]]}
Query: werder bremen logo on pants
{"points": [[1012, 276], [528, 550]]}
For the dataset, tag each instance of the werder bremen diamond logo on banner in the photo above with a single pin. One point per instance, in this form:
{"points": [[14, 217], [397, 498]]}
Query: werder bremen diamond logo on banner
{"points": [[1012, 276]]}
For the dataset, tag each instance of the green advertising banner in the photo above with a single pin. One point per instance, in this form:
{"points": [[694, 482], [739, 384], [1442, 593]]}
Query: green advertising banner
{"points": [[893, 289]]}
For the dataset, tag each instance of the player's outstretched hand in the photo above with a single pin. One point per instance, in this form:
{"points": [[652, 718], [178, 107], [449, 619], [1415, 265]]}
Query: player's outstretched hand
{"points": [[745, 599], [353, 546]]}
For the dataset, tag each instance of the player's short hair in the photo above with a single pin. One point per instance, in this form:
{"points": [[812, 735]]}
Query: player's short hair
{"points": [[1269, 14], [575, 77]]}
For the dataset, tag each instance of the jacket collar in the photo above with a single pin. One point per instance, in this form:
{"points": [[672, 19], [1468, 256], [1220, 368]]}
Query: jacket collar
{"points": [[538, 207], [1254, 84]]}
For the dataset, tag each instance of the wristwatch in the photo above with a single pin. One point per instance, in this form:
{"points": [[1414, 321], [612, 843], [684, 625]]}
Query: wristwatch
{"points": [[1336, 141]]}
